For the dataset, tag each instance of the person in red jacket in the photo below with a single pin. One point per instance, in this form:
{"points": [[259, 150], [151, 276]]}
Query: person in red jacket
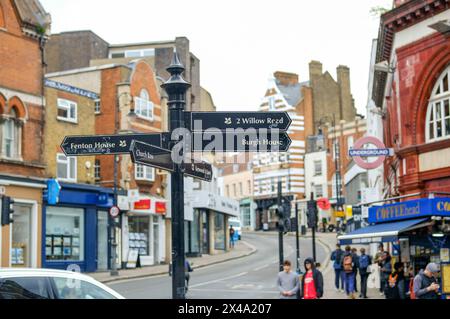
{"points": [[312, 281]]}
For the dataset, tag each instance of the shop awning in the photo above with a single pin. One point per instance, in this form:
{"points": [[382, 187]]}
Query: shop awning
{"points": [[379, 233]]}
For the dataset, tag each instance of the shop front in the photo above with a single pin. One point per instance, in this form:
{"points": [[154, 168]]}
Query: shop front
{"points": [[76, 229], [144, 232], [20, 242], [416, 232]]}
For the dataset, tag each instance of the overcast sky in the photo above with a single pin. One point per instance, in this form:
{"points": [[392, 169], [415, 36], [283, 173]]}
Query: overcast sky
{"points": [[240, 43]]}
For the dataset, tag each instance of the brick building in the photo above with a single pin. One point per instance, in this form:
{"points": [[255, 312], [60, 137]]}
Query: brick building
{"points": [[411, 89], [24, 30]]}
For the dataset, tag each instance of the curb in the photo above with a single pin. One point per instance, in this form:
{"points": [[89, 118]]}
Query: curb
{"points": [[125, 278]]}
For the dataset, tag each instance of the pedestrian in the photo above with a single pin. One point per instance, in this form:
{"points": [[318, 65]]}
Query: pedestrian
{"points": [[395, 287], [364, 271], [348, 265], [312, 281], [379, 261], [356, 267], [336, 256], [324, 224], [187, 270], [386, 269], [288, 282], [232, 231], [425, 283]]}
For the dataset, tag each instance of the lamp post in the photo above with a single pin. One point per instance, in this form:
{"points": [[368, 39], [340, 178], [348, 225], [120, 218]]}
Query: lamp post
{"points": [[176, 88]]}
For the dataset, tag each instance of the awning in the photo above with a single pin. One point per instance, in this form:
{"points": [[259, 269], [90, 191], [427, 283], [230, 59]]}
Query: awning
{"points": [[381, 233]]}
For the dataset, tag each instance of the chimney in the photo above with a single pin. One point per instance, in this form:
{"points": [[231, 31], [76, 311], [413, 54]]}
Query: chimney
{"points": [[398, 3], [315, 70], [285, 78]]}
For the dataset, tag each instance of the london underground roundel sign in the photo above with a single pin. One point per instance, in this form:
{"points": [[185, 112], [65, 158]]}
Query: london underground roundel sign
{"points": [[361, 152]]}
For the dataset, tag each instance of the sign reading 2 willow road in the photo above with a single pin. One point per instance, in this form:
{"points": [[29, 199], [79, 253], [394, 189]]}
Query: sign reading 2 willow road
{"points": [[149, 155], [201, 121], [268, 141], [107, 144]]}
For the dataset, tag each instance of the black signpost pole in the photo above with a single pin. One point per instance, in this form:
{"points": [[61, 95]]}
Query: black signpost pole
{"points": [[176, 87]]}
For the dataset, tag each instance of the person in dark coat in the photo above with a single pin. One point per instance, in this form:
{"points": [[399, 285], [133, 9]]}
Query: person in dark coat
{"points": [[312, 281], [364, 271], [425, 283]]}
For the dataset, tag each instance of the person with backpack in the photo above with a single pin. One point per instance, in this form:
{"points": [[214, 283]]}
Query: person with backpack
{"points": [[425, 283], [386, 270], [364, 263], [395, 286], [336, 256], [312, 281], [348, 266]]}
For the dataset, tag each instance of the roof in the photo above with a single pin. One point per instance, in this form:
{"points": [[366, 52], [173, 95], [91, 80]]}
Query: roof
{"points": [[292, 93], [33, 13]]}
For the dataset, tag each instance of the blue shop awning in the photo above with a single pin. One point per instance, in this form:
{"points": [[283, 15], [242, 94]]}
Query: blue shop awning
{"points": [[381, 233]]}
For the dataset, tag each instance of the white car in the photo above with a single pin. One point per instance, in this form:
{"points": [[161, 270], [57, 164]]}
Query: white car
{"points": [[236, 223], [51, 284]]}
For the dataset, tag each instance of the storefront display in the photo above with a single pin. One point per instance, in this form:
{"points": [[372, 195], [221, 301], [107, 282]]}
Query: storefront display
{"points": [[139, 234], [21, 236], [219, 228], [64, 237]]}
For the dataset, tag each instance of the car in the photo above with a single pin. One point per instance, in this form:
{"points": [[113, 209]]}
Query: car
{"points": [[236, 223], [17, 283]]}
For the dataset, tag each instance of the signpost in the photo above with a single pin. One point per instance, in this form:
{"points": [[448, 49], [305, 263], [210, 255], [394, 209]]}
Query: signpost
{"points": [[222, 121], [255, 141], [146, 154], [107, 144], [224, 132]]}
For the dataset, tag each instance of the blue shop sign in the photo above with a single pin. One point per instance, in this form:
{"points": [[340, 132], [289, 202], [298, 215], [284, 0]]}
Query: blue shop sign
{"points": [[410, 210]]}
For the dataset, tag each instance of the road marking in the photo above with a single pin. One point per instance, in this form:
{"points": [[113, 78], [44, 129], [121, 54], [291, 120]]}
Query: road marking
{"points": [[260, 268], [236, 291], [218, 280]]}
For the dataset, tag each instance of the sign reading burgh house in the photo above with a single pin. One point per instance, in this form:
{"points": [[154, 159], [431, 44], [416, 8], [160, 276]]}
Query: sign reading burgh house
{"points": [[410, 209]]}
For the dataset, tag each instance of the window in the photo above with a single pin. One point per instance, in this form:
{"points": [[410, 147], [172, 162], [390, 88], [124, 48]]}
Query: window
{"points": [[25, 288], [272, 103], [98, 107], [67, 111], [249, 187], [318, 189], [10, 133], [234, 190], [97, 172], [66, 168], [235, 168], [317, 168], [145, 173], [241, 189], [143, 106], [68, 288], [438, 113], [117, 55], [139, 53]]}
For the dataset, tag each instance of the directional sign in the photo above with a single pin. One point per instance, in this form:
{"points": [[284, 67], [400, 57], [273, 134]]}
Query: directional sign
{"points": [[221, 121], [107, 144], [149, 155], [201, 171], [240, 142]]}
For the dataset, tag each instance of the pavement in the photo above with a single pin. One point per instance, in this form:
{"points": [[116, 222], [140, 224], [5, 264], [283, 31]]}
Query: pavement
{"points": [[242, 249]]}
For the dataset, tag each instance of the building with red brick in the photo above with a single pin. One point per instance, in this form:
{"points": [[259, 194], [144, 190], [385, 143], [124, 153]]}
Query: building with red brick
{"points": [[24, 30]]}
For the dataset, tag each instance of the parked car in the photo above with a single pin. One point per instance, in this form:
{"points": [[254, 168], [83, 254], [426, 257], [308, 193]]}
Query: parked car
{"points": [[236, 223], [51, 284]]}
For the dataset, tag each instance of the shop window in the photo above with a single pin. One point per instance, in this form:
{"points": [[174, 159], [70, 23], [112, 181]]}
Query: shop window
{"points": [[67, 111], [143, 106], [139, 234], [11, 135], [64, 234], [438, 113], [219, 236], [144, 173], [66, 168]]}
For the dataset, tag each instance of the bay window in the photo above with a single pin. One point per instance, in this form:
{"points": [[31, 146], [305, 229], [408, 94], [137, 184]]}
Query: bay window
{"points": [[145, 173]]}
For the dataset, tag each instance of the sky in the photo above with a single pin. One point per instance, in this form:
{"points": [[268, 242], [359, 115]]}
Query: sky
{"points": [[240, 43]]}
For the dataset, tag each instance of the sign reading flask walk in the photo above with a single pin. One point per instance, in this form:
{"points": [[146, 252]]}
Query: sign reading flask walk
{"points": [[201, 121], [107, 144], [149, 155]]}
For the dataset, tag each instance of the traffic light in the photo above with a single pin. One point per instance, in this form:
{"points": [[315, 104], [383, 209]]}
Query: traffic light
{"points": [[7, 210], [312, 214]]}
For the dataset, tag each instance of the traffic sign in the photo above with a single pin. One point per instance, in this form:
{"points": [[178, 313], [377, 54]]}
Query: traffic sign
{"points": [[149, 155], [359, 152], [114, 211], [221, 121], [108, 144], [201, 171], [241, 142]]}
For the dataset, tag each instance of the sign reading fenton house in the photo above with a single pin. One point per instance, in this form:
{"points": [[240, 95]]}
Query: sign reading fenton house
{"points": [[410, 209]]}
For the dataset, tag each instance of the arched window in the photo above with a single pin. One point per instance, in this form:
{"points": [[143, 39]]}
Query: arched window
{"points": [[438, 113], [2, 17], [11, 133], [143, 105]]}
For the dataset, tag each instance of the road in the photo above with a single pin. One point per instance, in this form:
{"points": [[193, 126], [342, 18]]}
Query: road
{"points": [[251, 277]]}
